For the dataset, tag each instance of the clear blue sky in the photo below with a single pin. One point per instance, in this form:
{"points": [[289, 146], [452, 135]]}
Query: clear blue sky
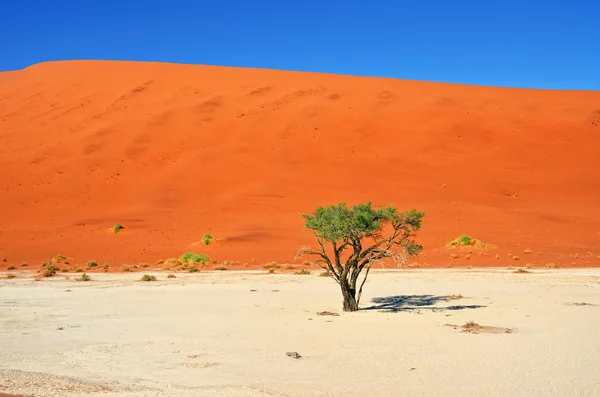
{"points": [[519, 43]]}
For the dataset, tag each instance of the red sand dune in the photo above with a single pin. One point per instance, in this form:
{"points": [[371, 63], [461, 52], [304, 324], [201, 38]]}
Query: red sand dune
{"points": [[175, 151]]}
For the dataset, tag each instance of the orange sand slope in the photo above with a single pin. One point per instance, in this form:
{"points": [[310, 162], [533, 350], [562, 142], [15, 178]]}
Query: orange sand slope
{"points": [[175, 151]]}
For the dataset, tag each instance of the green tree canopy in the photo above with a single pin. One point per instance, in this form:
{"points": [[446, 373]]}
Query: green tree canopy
{"points": [[351, 240]]}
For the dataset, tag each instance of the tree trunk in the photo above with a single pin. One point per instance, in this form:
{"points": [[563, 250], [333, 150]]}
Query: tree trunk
{"points": [[349, 295]]}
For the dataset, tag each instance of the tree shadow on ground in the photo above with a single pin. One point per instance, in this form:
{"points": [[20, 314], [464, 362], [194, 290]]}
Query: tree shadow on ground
{"points": [[405, 303]]}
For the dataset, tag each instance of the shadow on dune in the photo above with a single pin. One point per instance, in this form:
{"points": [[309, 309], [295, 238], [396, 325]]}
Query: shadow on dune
{"points": [[405, 303]]}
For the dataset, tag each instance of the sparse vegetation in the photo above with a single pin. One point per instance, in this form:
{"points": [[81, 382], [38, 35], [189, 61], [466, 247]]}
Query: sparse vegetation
{"points": [[454, 256], [468, 257], [357, 240], [144, 265], [302, 272], [271, 265], [220, 267], [59, 258], [206, 240], [64, 270], [466, 241], [325, 274], [271, 271], [515, 258], [173, 262], [10, 276], [497, 256], [11, 267], [289, 267], [552, 266], [521, 271], [459, 296], [192, 258], [49, 271], [528, 251], [471, 324], [117, 227], [92, 264], [148, 277], [105, 267], [47, 262], [171, 276], [24, 264], [159, 262], [192, 269], [126, 268], [78, 270], [83, 277]]}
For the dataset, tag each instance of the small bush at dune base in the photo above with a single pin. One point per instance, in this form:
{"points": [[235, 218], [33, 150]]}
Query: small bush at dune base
{"points": [[171, 276], [49, 271], [220, 267], [10, 268], [192, 258], [117, 228], [325, 274], [10, 276], [148, 277], [192, 269], [126, 268], [83, 277], [78, 270], [303, 272]]}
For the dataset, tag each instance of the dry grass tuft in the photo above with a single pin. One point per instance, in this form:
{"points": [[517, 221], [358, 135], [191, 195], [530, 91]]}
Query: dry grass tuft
{"points": [[10, 276], [528, 251], [303, 272], [126, 268]]}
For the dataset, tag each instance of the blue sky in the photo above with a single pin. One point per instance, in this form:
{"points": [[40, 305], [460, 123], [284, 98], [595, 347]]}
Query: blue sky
{"points": [[526, 43]]}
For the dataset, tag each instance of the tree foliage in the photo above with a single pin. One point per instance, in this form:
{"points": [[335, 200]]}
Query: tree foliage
{"points": [[351, 240]]}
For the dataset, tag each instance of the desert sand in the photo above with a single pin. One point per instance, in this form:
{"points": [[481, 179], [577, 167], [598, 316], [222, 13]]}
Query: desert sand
{"points": [[176, 151], [227, 334]]}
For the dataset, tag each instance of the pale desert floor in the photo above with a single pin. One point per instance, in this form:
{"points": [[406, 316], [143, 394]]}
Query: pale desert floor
{"points": [[209, 334]]}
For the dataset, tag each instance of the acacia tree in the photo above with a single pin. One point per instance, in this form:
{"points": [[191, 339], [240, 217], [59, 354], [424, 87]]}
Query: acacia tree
{"points": [[351, 240]]}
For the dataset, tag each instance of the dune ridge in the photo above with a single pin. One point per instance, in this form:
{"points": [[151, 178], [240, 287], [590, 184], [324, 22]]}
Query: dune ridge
{"points": [[176, 151]]}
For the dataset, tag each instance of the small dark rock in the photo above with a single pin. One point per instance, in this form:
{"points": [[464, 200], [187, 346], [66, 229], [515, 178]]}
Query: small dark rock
{"points": [[293, 355]]}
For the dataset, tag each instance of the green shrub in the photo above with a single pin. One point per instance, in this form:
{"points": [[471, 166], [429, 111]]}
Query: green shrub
{"points": [[207, 239], [83, 277], [117, 227], [463, 240], [49, 271], [190, 257]]}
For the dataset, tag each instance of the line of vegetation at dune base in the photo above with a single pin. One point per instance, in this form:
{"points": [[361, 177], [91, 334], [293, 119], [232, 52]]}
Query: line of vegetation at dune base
{"points": [[349, 241]]}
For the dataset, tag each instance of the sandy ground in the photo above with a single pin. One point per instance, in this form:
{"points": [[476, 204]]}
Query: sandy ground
{"points": [[209, 334], [176, 151]]}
